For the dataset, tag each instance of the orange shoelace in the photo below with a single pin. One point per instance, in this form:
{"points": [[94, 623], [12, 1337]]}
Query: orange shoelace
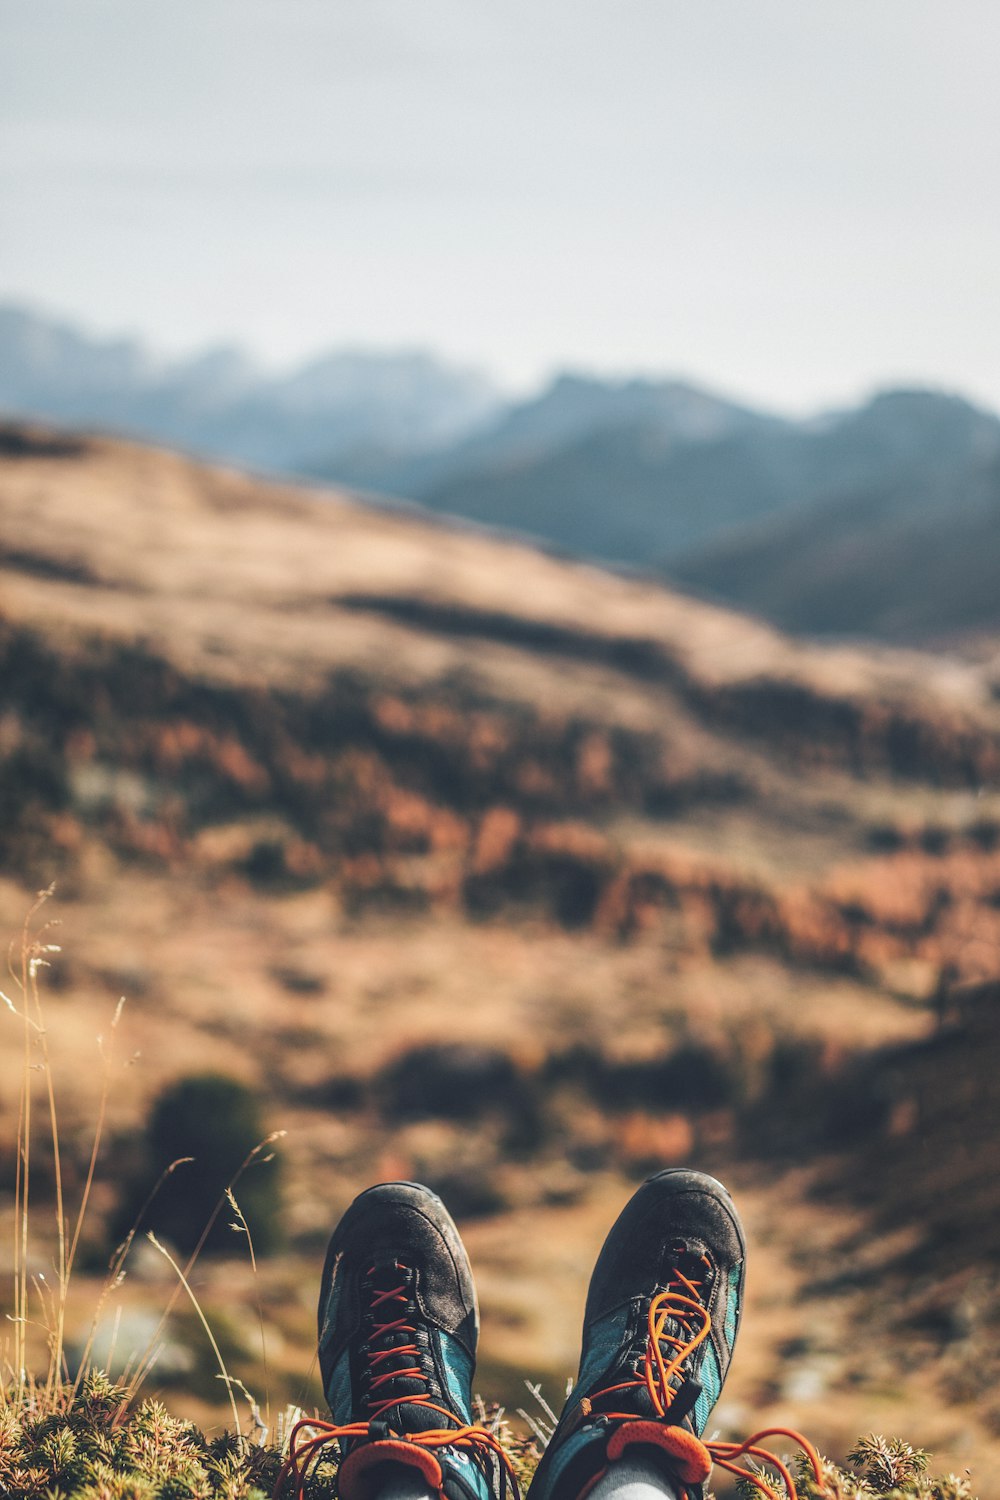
{"points": [[664, 1358], [304, 1450]]}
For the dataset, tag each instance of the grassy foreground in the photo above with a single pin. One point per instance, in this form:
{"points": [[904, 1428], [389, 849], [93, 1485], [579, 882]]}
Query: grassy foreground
{"points": [[96, 1445]]}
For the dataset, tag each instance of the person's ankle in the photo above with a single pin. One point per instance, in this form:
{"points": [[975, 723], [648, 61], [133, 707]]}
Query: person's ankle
{"points": [[636, 1476]]}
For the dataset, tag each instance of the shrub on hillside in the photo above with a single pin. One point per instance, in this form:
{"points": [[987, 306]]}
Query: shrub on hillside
{"points": [[216, 1122], [450, 1080]]}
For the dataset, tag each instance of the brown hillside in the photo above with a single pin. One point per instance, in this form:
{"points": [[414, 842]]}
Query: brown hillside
{"points": [[507, 873]]}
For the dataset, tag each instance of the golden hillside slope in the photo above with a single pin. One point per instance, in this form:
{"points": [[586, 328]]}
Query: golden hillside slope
{"points": [[324, 786]]}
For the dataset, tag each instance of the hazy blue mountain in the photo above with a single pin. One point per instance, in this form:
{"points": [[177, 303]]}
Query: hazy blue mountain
{"points": [[653, 487], [914, 558], [222, 405], [573, 408], [51, 364]]}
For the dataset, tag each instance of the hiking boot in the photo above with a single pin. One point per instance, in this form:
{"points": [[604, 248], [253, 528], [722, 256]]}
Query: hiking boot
{"points": [[398, 1325], [662, 1316]]}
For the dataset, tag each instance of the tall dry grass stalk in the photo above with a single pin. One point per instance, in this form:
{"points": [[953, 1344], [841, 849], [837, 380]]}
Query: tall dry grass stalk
{"points": [[242, 1227], [19, 1386], [33, 956], [25, 976], [227, 1378]]}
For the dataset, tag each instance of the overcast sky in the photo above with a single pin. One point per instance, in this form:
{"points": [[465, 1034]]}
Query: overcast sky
{"points": [[793, 200]]}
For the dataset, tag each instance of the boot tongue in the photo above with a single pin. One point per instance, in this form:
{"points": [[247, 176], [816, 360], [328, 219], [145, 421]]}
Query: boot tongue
{"points": [[690, 1264], [691, 1276], [393, 1355]]}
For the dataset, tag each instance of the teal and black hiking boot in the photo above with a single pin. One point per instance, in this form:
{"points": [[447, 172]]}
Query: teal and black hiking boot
{"points": [[662, 1316], [398, 1326]]}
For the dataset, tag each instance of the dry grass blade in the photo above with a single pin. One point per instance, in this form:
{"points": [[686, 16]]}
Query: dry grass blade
{"points": [[25, 977], [145, 1361], [204, 1323], [242, 1227], [116, 1274]]}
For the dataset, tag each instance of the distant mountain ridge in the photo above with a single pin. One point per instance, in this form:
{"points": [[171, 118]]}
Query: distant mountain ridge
{"points": [[915, 561], [644, 492], [571, 409], [220, 404], [883, 519]]}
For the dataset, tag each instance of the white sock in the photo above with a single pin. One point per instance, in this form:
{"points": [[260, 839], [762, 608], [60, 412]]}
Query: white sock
{"points": [[404, 1483], [628, 1478], [633, 1477]]}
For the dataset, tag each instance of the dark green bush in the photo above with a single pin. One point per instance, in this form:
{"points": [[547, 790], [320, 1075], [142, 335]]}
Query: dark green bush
{"points": [[216, 1121]]}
